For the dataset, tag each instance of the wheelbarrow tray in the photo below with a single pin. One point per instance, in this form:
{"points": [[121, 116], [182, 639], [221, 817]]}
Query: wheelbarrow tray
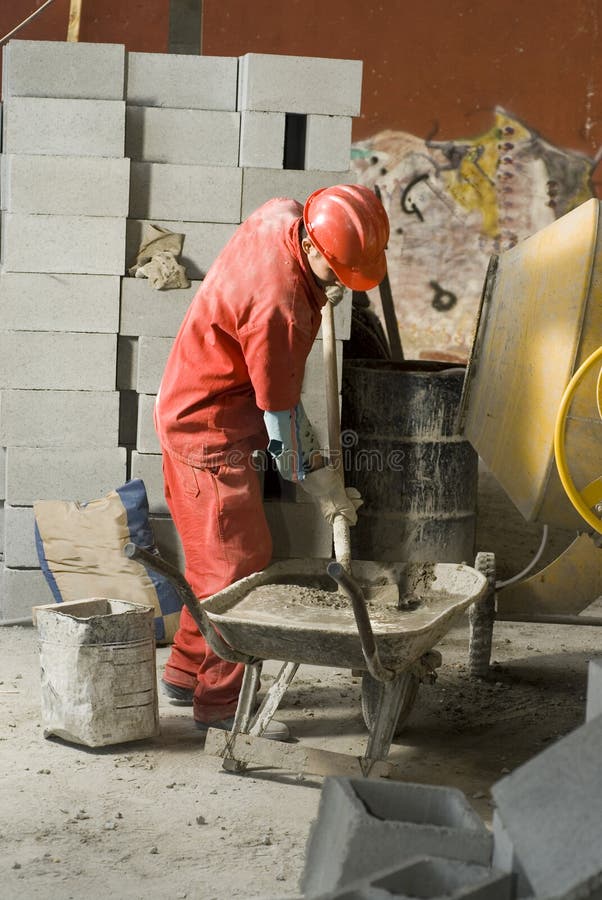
{"points": [[283, 626]]}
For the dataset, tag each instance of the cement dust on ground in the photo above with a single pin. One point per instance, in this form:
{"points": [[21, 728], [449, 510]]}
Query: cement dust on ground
{"points": [[159, 819]]}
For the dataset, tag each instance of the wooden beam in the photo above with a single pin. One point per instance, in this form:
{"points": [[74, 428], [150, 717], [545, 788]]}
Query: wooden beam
{"points": [[75, 14]]}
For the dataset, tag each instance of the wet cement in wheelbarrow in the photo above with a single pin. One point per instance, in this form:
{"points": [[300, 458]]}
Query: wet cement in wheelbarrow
{"points": [[386, 608]]}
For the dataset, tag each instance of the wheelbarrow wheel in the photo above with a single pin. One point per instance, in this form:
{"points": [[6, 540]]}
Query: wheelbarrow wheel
{"points": [[372, 692], [481, 617]]}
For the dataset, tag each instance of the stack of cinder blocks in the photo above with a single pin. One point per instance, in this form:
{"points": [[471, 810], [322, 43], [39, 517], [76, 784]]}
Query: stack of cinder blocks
{"points": [[97, 143]]}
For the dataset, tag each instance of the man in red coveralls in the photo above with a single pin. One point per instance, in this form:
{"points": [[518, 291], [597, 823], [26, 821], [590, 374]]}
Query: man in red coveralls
{"points": [[232, 385]]}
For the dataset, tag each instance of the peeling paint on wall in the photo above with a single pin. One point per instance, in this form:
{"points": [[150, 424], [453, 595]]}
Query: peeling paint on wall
{"points": [[451, 205]]}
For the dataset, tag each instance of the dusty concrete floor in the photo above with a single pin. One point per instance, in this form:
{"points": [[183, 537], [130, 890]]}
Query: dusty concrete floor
{"points": [[161, 819]]}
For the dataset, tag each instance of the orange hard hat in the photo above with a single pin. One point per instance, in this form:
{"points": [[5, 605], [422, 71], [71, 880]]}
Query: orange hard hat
{"points": [[348, 224]]}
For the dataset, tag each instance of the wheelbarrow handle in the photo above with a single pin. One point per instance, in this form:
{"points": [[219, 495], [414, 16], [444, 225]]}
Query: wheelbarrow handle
{"points": [[188, 599], [351, 588]]}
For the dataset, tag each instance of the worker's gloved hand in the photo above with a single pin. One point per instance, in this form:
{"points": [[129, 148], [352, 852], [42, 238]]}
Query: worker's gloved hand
{"points": [[326, 487]]}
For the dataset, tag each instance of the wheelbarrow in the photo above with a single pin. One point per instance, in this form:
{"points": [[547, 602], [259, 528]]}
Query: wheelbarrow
{"points": [[384, 621]]}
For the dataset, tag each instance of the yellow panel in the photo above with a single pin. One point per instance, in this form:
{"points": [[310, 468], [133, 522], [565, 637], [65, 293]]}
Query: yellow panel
{"points": [[530, 339]]}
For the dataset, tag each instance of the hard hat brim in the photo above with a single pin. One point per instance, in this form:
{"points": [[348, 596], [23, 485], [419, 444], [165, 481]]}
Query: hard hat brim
{"points": [[369, 277]]}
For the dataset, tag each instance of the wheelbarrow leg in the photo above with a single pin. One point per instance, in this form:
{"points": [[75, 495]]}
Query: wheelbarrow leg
{"points": [[392, 700]]}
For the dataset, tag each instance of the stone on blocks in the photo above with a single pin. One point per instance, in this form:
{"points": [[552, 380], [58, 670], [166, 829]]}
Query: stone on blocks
{"points": [[202, 243], [364, 826]]}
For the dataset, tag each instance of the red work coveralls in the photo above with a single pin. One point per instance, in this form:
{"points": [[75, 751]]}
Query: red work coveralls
{"points": [[241, 349]]}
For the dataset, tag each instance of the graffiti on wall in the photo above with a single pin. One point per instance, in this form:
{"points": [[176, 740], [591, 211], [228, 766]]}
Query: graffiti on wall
{"points": [[452, 204]]}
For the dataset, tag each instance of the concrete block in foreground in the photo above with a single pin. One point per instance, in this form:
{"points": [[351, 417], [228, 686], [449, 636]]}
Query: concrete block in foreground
{"points": [[64, 473], [181, 80], [187, 193], [194, 137], [146, 436], [328, 145], [145, 311], [44, 418], [148, 467], [60, 127], [86, 245], [298, 530], [202, 243], [262, 139], [551, 808], [44, 302], [152, 356], [57, 361], [594, 689], [19, 540], [429, 878], [300, 84], [66, 69], [260, 185], [365, 826], [65, 185], [505, 859]]}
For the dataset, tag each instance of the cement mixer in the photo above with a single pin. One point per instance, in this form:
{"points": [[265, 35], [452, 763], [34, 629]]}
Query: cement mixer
{"points": [[532, 407]]}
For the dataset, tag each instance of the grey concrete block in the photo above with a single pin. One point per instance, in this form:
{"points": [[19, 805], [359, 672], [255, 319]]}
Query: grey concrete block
{"points": [[86, 245], [551, 808], [300, 84], [181, 81], [41, 418], [203, 242], [60, 127], [65, 185], [146, 436], [62, 473], [145, 311], [57, 361], [2, 473], [365, 826], [152, 356], [148, 467], [429, 878], [168, 541], [328, 144], [186, 193], [19, 541], [44, 302], [127, 363], [504, 859], [63, 69], [197, 137], [262, 139], [2, 529], [20, 590], [594, 689], [260, 185], [298, 530]]}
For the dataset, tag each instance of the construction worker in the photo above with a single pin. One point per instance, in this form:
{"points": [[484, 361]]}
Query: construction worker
{"points": [[232, 385]]}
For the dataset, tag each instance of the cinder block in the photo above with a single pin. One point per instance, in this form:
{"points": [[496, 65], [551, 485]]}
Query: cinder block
{"points": [[57, 361], [429, 878], [261, 185], [87, 245], [127, 363], [188, 193], [20, 590], [63, 69], [314, 379], [505, 859], [65, 185], [328, 144], [550, 808], [2, 473], [42, 302], [197, 137], [19, 541], [41, 418], [300, 84], [364, 826], [168, 541], [594, 689], [2, 529], [148, 467], [262, 139], [298, 530], [145, 311], [146, 436], [62, 127], [181, 81], [62, 473], [203, 242], [152, 356]]}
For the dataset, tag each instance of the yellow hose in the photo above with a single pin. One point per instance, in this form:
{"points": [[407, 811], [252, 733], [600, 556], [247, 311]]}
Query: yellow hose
{"points": [[559, 439]]}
